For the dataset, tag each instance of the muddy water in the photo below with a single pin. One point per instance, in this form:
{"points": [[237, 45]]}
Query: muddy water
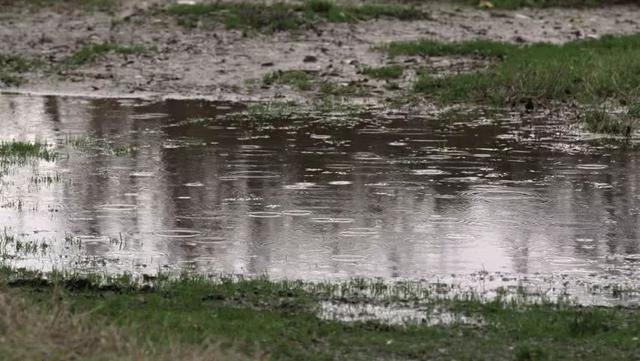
{"points": [[327, 197]]}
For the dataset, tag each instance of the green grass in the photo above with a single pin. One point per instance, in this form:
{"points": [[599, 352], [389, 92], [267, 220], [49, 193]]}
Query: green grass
{"points": [[298, 79], [601, 120], [585, 71], [634, 111], [281, 16], [93, 52], [290, 112], [87, 143], [272, 111], [426, 47], [279, 319], [23, 150], [334, 12], [271, 18], [384, 72], [11, 67]]}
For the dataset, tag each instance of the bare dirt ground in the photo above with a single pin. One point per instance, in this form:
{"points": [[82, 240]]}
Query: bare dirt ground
{"points": [[229, 65]]}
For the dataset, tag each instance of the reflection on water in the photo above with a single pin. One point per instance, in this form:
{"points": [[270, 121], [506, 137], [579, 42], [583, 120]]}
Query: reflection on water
{"points": [[389, 196]]}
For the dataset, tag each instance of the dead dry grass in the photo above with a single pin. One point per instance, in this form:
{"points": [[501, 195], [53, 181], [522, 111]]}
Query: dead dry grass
{"points": [[28, 332]]}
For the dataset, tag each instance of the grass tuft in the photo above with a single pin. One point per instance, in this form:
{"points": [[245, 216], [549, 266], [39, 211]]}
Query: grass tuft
{"points": [[601, 120], [281, 16], [587, 71], [296, 78], [426, 47], [270, 112], [93, 52], [10, 68], [384, 72]]}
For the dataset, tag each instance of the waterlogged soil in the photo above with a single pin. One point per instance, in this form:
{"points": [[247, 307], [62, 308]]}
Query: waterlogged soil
{"points": [[469, 198], [472, 198], [223, 64]]}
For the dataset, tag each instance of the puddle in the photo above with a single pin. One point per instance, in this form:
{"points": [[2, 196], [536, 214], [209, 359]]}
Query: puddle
{"points": [[392, 315], [117, 207], [265, 214], [178, 233], [397, 197]]}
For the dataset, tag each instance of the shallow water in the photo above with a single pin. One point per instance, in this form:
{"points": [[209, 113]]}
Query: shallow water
{"points": [[390, 195]]}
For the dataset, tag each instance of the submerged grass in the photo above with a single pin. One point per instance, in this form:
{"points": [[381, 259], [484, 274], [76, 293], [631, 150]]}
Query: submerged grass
{"points": [[23, 150], [280, 319], [602, 120], [87, 143], [272, 111], [281, 16]]}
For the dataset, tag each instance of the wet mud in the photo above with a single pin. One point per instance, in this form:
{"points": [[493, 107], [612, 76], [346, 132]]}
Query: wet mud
{"points": [[229, 65]]}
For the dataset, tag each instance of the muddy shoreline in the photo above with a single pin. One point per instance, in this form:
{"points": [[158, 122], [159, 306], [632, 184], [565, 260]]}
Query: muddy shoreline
{"points": [[229, 65]]}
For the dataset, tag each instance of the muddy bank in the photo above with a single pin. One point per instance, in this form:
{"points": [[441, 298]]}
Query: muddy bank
{"points": [[229, 64]]}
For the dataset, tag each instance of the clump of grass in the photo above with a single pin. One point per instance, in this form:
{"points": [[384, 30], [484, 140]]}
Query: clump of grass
{"points": [[281, 16], [11, 66], [427, 47], [328, 88], [243, 15], [269, 112], [336, 104], [88, 144], [297, 78], [272, 18], [336, 13], [601, 120], [384, 72], [23, 150], [634, 111], [588, 71], [528, 352], [91, 53]]}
